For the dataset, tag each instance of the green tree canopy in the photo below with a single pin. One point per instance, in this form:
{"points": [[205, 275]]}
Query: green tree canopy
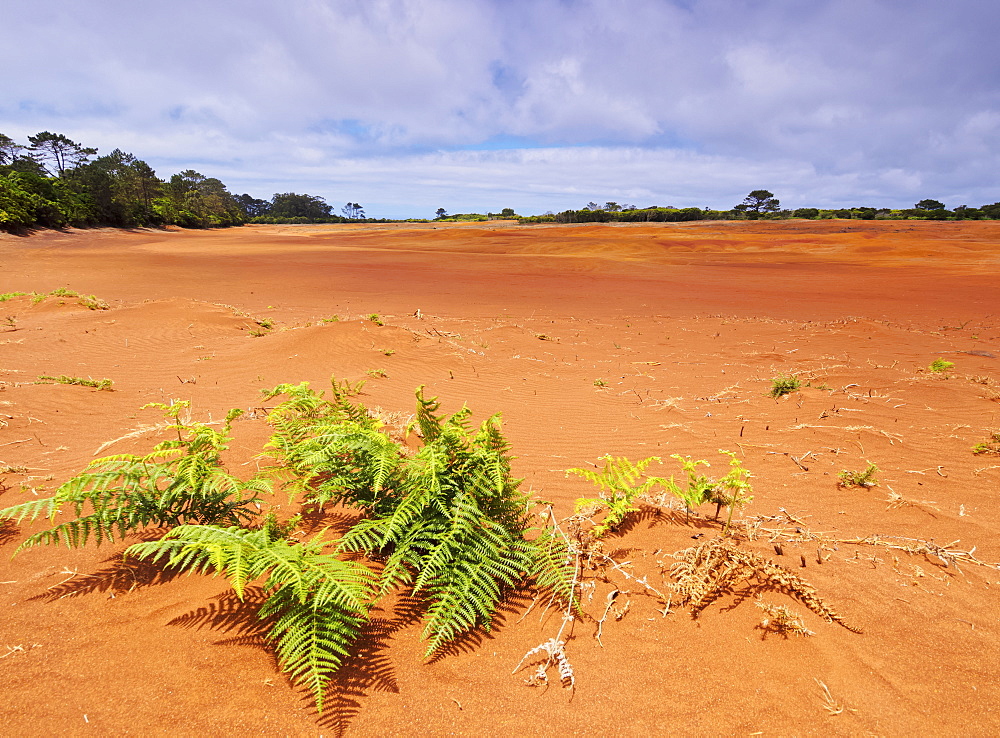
{"points": [[929, 205], [293, 205], [9, 149], [759, 201], [59, 151]]}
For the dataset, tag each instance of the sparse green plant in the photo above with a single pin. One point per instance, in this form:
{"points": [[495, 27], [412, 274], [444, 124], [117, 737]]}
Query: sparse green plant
{"points": [[699, 487], [733, 490], [600, 383], [374, 318], [990, 446], [864, 478], [388, 352], [5, 296], [785, 384], [88, 301], [331, 319], [98, 384], [939, 366], [618, 482], [377, 373], [265, 323]]}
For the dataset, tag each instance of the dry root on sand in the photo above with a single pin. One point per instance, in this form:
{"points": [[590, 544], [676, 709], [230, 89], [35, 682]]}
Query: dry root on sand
{"points": [[554, 654]]}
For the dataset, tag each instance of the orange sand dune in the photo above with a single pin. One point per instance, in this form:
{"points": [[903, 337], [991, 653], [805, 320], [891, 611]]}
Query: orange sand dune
{"points": [[684, 326]]}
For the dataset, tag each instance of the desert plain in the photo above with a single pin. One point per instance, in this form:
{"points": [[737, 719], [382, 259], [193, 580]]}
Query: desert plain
{"points": [[632, 340]]}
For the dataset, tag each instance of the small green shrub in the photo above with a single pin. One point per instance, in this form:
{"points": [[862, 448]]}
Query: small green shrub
{"points": [[600, 383], [374, 318], [864, 478], [784, 385], [98, 384], [939, 366], [990, 446]]}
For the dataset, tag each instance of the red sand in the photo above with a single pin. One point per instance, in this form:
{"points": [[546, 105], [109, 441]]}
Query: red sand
{"points": [[686, 325]]}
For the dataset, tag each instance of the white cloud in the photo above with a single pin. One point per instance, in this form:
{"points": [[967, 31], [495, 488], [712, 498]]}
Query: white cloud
{"points": [[868, 96]]}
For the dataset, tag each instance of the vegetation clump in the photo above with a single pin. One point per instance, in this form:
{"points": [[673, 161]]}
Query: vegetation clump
{"points": [[447, 522], [98, 384], [785, 384], [989, 446], [865, 478], [939, 366]]}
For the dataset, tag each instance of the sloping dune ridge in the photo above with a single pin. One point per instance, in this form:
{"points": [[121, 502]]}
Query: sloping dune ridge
{"points": [[632, 340]]}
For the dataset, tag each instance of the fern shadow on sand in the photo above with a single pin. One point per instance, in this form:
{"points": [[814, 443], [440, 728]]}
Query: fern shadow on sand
{"points": [[228, 613], [368, 669], [8, 531], [118, 577]]}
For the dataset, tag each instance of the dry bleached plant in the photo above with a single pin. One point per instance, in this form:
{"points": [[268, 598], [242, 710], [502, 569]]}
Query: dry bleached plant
{"points": [[705, 572]]}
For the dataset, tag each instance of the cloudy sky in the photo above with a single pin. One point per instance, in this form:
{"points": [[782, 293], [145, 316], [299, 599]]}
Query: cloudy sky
{"points": [[473, 105]]}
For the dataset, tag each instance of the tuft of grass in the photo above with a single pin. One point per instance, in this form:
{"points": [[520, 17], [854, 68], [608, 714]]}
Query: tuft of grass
{"points": [[98, 384], [377, 373], [600, 383], [939, 366], [864, 478], [785, 384], [990, 446], [5, 296], [374, 318], [88, 301], [331, 319]]}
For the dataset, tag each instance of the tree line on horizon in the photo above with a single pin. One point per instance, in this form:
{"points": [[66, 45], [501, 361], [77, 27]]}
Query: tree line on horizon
{"points": [[763, 205], [54, 182]]}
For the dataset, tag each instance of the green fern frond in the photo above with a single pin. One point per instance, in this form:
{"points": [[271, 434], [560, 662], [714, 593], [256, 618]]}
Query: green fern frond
{"points": [[311, 639], [179, 481], [31, 510], [320, 602]]}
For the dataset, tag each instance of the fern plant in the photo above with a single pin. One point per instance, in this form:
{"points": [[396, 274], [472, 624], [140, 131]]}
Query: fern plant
{"points": [[333, 450], [457, 536], [699, 489], [318, 602], [180, 481], [733, 490], [618, 482]]}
